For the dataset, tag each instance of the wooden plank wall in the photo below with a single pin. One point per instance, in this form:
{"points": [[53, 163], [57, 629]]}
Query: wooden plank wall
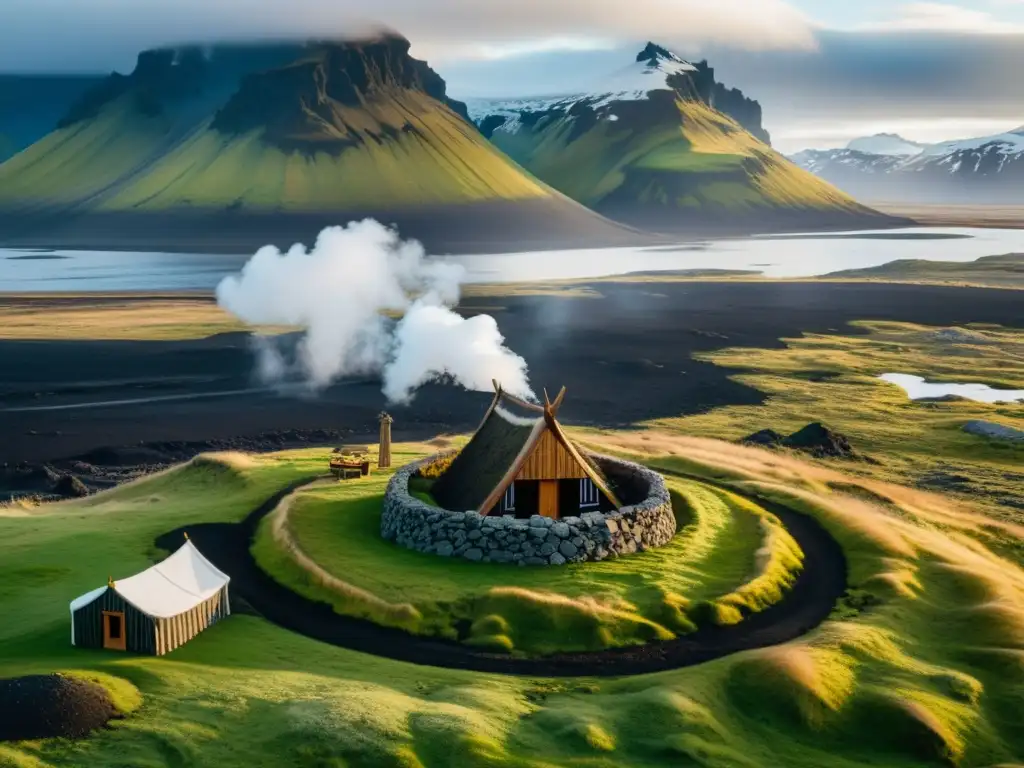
{"points": [[138, 627], [178, 630], [550, 461]]}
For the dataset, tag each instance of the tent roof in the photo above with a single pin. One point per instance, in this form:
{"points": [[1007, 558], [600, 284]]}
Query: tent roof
{"points": [[494, 455], [87, 598], [174, 586]]}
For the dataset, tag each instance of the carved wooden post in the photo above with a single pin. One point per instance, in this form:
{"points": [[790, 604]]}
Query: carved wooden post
{"points": [[384, 452]]}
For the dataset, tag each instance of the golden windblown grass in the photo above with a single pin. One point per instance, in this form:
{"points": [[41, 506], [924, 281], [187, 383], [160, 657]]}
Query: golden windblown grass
{"points": [[928, 673]]}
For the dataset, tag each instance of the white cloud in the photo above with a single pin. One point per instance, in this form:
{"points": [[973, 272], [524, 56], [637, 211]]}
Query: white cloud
{"points": [[442, 29], [944, 17]]}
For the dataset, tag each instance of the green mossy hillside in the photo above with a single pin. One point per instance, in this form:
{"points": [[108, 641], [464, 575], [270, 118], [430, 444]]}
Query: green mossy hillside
{"points": [[354, 125], [669, 159], [730, 559], [930, 671]]}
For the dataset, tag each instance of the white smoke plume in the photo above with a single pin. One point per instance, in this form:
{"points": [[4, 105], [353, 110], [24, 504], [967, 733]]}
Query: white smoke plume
{"points": [[338, 293]]}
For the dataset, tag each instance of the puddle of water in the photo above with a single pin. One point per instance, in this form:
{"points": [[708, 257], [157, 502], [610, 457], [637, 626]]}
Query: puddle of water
{"points": [[918, 389]]}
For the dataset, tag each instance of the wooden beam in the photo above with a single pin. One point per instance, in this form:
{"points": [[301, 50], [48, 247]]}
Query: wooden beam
{"points": [[558, 401], [522, 403]]}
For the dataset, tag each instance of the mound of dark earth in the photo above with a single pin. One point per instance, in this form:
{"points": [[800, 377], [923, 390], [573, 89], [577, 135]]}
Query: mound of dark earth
{"points": [[815, 439], [41, 481], [52, 706]]}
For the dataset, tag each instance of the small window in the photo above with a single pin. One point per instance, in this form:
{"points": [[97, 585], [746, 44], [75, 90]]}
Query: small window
{"points": [[588, 494], [508, 501], [115, 627]]}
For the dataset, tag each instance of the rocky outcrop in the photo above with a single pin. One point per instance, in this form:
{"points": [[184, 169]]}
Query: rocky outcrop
{"points": [[539, 540], [303, 105], [994, 431], [815, 439]]}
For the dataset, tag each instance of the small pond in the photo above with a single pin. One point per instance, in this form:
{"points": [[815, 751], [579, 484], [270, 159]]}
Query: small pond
{"points": [[917, 388]]}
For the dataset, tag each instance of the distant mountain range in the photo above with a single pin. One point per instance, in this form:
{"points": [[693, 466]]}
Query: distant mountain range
{"points": [[888, 168], [661, 144], [230, 147]]}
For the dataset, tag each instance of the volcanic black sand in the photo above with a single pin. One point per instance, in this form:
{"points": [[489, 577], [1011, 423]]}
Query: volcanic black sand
{"points": [[814, 594], [51, 706], [624, 358]]}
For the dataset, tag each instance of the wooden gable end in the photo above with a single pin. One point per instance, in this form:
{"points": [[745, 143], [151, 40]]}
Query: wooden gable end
{"points": [[549, 460]]}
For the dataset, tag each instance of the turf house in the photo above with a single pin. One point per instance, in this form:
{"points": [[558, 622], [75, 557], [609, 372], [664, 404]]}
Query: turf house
{"points": [[520, 462], [154, 611]]}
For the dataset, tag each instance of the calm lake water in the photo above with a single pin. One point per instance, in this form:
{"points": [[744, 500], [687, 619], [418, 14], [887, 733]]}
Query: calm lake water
{"points": [[775, 256], [918, 388]]}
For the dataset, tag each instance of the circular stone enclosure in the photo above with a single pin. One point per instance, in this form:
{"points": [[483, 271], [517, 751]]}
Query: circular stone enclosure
{"points": [[646, 521]]}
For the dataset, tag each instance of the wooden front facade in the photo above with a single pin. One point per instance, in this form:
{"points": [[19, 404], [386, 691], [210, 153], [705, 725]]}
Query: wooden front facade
{"points": [[549, 460], [552, 498], [92, 625]]}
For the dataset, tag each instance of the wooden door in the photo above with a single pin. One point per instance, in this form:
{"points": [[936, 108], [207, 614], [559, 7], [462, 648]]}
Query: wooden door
{"points": [[114, 630], [548, 504]]}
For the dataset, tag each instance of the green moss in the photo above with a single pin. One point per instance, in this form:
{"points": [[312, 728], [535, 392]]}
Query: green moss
{"points": [[728, 550], [931, 676]]}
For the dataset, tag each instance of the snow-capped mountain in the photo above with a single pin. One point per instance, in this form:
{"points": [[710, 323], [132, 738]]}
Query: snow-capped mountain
{"points": [[886, 144], [656, 70], [986, 169], [660, 144], [652, 71]]}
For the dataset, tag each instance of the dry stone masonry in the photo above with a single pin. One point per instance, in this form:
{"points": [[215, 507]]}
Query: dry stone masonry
{"points": [[539, 540]]}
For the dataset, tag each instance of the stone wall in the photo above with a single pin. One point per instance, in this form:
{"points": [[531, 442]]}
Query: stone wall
{"points": [[540, 540]]}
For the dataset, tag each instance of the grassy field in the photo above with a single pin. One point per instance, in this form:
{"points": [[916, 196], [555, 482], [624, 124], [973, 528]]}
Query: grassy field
{"points": [[181, 316], [834, 379], [1006, 271], [729, 554], [923, 665]]}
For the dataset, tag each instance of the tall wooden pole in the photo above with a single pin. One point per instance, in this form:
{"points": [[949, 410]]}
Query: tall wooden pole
{"points": [[384, 452]]}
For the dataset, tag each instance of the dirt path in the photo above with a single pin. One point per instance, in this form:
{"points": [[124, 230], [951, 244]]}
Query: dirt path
{"points": [[818, 587]]}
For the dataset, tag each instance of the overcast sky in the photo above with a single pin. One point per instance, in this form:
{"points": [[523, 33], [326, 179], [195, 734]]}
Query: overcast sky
{"points": [[825, 71]]}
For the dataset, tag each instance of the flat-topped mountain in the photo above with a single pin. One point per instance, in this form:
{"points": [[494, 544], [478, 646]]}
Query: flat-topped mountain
{"points": [[267, 143]]}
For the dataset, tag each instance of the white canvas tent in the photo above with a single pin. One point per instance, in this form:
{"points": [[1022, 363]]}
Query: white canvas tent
{"points": [[156, 610]]}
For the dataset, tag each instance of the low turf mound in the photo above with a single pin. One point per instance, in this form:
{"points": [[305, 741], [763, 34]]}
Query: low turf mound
{"points": [[50, 706], [293, 137], [662, 145], [730, 559]]}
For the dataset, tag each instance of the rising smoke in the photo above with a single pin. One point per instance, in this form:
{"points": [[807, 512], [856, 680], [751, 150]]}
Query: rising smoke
{"points": [[339, 294]]}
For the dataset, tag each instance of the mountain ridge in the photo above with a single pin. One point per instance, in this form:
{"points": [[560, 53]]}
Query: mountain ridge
{"points": [[661, 144], [303, 135], [985, 169]]}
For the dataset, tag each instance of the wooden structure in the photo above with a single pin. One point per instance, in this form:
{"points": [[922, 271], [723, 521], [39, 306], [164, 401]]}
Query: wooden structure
{"points": [[523, 464], [154, 611], [350, 461], [384, 452]]}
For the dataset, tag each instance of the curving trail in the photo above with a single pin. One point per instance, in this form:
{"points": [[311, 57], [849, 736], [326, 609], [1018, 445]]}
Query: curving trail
{"points": [[812, 598]]}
